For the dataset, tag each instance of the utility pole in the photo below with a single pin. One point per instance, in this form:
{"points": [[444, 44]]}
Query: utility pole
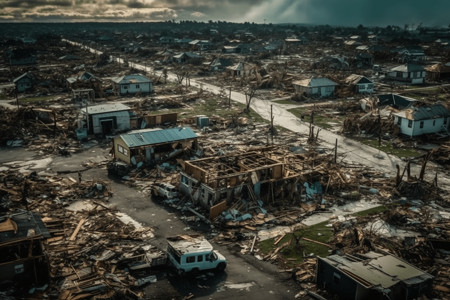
{"points": [[335, 151]]}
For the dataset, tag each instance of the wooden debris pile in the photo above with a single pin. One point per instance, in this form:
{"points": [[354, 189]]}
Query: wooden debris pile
{"points": [[368, 124], [93, 250]]}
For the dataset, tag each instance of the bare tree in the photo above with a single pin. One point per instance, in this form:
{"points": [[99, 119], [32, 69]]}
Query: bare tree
{"points": [[249, 94]]}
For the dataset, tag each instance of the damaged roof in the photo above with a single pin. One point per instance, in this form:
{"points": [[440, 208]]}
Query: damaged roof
{"points": [[145, 137], [315, 82], [105, 108], [408, 68], [357, 79], [396, 101], [424, 112], [375, 269]]}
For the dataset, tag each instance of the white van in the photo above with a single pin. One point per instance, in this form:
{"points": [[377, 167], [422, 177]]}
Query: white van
{"points": [[193, 253]]}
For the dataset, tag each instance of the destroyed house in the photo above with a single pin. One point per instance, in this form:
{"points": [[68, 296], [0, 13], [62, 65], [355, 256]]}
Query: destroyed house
{"points": [[132, 84], [409, 73], [315, 87], [24, 82], [371, 276], [418, 120], [106, 118], [395, 101], [151, 145], [257, 176], [22, 255]]}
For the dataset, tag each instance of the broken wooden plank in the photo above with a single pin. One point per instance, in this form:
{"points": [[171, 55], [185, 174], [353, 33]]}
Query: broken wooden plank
{"points": [[316, 242], [77, 229]]}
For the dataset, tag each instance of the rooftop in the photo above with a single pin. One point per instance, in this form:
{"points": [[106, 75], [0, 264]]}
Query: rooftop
{"points": [[189, 244], [21, 225], [157, 136], [315, 82], [105, 108]]}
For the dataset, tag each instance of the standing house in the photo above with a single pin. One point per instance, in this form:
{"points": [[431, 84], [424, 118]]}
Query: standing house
{"points": [[410, 73], [417, 120], [220, 63], [132, 84], [150, 145], [315, 87], [360, 84], [106, 118], [24, 82], [188, 57], [371, 276], [22, 255]]}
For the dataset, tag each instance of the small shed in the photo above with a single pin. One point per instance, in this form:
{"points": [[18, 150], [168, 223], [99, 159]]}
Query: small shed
{"points": [[106, 118], [371, 276], [150, 145], [360, 84], [132, 84], [24, 82]]}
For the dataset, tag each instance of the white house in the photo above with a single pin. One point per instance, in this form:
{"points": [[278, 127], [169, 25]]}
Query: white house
{"points": [[105, 118], [315, 87], [132, 84], [410, 73], [361, 84], [418, 120]]}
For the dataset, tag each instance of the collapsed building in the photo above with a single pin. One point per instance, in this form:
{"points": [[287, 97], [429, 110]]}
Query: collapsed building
{"points": [[22, 255], [264, 176]]}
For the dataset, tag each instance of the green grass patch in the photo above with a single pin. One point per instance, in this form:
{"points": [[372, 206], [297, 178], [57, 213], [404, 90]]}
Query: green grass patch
{"points": [[294, 253], [322, 121], [35, 99], [388, 148]]}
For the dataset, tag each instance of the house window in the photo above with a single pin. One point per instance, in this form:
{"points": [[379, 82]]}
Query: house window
{"points": [[370, 86], [434, 122], [125, 87], [410, 123], [399, 121], [445, 121], [200, 258], [122, 150], [190, 259], [421, 124], [137, 86]]}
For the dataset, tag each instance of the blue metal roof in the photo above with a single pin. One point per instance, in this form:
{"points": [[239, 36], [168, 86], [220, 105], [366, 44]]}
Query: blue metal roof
{"points": [[160, 136]]}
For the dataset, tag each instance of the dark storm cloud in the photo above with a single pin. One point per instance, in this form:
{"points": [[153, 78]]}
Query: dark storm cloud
{"points": [[333, 12]]}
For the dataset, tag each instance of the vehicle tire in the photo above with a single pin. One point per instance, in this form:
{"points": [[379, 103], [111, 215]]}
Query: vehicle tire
{"points": [[195, 271], [221, 267]]}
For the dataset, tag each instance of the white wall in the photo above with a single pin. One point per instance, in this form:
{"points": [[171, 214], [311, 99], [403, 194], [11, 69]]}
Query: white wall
{"points": [[122, 117], [133, 88], [429, 126]]}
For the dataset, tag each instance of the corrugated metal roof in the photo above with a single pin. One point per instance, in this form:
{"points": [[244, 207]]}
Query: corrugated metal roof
{"points": [[133, 78], [385, 271], [159, 136], [355, 79], [105, 108], [315, 82], [408, 68], [424, 112]]}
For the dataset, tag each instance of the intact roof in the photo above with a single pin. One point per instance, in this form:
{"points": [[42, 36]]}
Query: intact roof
{"points": [[424, 112], [133, 78], [185, 244], [378, 270], [28, 74], [21, 225], [357, 79], [396, 101], [145, 137], [408, 68], [105, 108], [315, 82]]}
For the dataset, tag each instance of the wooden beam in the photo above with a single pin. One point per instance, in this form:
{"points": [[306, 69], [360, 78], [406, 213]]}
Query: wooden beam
{"points": [[77, 229]]}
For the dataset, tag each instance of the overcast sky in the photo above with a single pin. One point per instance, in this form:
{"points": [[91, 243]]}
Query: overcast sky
{"points": [[332, 12]]}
